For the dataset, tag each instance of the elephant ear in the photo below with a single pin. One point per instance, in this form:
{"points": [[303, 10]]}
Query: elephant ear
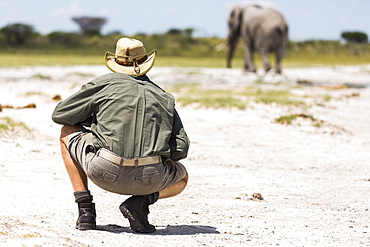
{"points": [[235, 19]]}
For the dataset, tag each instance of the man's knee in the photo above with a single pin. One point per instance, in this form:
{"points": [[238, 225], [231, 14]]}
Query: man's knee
{"points": [[186, 177]]}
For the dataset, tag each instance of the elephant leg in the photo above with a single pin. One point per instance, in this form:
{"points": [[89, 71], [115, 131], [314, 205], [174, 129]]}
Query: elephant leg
{"points": [[278, 67], [279, 56], [265, 61], [248, 59], [229, 58]]}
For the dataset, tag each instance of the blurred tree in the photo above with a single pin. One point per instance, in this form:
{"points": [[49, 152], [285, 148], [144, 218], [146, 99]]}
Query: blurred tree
{"points": [[17, 34], [355, 37], [189, 32], [90, 25]]}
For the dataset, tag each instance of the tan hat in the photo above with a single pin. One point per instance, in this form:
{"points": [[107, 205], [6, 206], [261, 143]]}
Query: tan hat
{"points": [[130, 57]]}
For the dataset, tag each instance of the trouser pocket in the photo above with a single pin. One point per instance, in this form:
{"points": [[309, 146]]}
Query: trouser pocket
{"points": [[150, 175], [103, 170]]}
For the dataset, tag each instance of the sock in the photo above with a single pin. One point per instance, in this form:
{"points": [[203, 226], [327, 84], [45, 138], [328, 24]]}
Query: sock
{"points": [[83, 196]]}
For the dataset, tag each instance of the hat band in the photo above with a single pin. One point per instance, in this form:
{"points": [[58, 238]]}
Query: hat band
{"points": [[132, 65], [139, 61]]}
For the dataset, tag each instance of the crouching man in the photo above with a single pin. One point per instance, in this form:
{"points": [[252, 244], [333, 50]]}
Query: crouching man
{"points": [[123, 133]]}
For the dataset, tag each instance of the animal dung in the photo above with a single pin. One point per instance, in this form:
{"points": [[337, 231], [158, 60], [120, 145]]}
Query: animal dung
{"points": [[57, 98], [32, 105]]}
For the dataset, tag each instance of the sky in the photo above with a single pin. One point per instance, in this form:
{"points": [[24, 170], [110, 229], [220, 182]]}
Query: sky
{"points": [[307, 19]]}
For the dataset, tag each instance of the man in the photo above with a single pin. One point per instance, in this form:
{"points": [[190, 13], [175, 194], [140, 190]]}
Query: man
{"points": [[134, 140]]}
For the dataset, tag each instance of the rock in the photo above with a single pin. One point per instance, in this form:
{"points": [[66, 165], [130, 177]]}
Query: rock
{"points": [[257, 197]]}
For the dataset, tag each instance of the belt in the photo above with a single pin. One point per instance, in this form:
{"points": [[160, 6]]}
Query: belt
{"points": [[112, 157]]}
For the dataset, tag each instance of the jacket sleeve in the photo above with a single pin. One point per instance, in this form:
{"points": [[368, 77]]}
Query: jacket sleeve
{"points": [[78, 108], [179, 141]]}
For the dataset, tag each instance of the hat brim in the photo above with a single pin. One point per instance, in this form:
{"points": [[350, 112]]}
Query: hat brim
{"points": [[144, 67]]}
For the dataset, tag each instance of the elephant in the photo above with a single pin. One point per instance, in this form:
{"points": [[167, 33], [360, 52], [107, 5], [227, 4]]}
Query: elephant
{"points": [[262, 29]]}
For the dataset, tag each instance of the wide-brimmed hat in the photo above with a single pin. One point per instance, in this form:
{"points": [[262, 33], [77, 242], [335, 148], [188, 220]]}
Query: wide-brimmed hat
{"points": [[130, 57]]}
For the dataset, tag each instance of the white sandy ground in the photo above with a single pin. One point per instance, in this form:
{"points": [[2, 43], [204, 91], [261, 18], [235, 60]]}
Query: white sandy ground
{"points": [[315, 181]]}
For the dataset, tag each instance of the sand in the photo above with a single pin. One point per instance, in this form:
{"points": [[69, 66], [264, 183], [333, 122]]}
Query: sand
{"points": [[313, 176]]}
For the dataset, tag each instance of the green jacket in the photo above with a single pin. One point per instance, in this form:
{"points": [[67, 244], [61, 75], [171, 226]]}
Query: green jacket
{"points": [[130, 116]]}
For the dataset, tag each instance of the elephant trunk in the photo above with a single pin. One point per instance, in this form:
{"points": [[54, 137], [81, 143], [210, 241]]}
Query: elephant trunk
{"points": [[231, 45]]}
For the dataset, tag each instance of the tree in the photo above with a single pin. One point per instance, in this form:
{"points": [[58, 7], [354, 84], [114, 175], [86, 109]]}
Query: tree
{"points": [[17, 34], [90, 25], [355, 37], [189, 32]]}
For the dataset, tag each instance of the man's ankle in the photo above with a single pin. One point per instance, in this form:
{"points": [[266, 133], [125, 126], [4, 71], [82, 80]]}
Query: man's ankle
{"points": [[83, 196]]}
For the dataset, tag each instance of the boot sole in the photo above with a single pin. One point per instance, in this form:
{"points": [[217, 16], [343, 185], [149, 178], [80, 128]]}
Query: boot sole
{"points": [[135, 224], [85, 226]]}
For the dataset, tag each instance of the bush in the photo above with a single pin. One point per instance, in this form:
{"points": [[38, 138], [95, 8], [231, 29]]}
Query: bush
{"points": [[67, 40]]}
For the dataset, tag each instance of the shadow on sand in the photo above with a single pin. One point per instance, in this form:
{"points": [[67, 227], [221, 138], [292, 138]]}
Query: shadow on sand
{"points": [[164, 230]]}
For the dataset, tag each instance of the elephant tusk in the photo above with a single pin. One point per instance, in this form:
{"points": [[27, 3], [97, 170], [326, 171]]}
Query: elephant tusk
{"points": [[221, 46]]}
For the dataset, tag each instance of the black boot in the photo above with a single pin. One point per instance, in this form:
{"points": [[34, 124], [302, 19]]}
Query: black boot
{"points": [[136, 209], [87, 216]]}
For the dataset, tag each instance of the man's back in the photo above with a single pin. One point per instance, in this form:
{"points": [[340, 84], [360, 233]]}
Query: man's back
{"points": [[132, 117]]}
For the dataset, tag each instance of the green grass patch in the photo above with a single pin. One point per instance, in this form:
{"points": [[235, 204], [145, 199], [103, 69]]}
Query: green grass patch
{"points": [[189, 94], [19, 60], [288, 119], [290, 61], [8, 124], [327, 97], [41, 76], [33, 93], [198, 62], [215, 102], [280, 97]]}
